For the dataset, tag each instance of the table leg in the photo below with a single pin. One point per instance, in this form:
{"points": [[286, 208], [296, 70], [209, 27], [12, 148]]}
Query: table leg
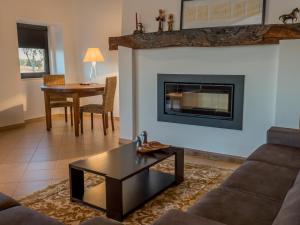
{"points": [[76, 106], [179, 165], [107, 125], [114, 199], [76, 183], [48, 111]]}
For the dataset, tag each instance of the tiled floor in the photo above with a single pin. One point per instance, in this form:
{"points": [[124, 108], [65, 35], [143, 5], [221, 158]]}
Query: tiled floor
{"points": [[32, 158]]}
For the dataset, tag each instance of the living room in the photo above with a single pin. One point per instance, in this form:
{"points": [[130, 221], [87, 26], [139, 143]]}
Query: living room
{"points": [[198, 109]]}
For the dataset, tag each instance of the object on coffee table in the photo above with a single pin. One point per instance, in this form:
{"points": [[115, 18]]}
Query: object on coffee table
{"points": [[144, 137], [152, 147]]}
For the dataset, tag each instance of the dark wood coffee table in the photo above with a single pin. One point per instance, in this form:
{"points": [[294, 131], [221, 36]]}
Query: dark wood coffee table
{"points": [[129, 179]]}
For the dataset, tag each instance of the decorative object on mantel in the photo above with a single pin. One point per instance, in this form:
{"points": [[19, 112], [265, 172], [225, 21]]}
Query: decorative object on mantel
{"points": [[210, 37], [293, 16], [161, 20], [139, 26], [212, 13], [152, 146], [171, 23]]}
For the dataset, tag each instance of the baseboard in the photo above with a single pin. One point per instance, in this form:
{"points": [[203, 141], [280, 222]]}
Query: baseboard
{"points": [[123, 141], [12, 127], [202, 154], [38, 119], [215, 156]]}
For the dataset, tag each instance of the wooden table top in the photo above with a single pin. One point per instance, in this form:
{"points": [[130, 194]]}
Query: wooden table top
{"points": [[123, 162], [68, 88]]}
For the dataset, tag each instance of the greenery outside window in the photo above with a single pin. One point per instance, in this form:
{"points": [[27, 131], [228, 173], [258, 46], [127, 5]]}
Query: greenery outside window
{"points": [[33, 50]]}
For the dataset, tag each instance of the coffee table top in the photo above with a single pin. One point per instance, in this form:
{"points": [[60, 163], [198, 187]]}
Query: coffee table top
{"points": [[123, 162]]}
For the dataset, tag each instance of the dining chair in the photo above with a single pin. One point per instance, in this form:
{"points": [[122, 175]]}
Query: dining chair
{"points": [[56, 101], [105, 108]]}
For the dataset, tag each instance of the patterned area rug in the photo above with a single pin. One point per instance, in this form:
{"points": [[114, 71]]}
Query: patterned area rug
{"points": [[54, 201]]}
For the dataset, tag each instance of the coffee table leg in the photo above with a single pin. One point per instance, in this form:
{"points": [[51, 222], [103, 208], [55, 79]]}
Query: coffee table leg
{"points": [[114, 199], [76, 183], [179, 166]]}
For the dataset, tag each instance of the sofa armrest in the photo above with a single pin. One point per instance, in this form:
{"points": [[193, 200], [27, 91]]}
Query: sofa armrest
{"points": [[100, 221], [7, 202], [177, 217], [284, 136]]}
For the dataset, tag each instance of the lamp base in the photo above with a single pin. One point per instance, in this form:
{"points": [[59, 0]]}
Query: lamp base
{"points": [[86, 83]]}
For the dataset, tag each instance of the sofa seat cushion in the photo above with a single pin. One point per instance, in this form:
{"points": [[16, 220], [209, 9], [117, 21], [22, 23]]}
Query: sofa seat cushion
{"points": [[280, 155], [234, 207], [20, 215], [176, 217], [262, 178], [289, 213], [7, 202]]}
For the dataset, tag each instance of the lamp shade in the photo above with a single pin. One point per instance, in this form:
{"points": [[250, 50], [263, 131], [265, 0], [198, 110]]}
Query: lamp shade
{"points": [[93, 55]]}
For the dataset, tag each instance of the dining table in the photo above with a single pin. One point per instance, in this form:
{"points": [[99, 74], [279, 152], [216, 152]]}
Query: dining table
{"points": [[73, 91]]}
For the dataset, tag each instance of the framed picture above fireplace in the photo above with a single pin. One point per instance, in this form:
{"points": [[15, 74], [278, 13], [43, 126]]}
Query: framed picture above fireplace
{"points": [[216, 13]]}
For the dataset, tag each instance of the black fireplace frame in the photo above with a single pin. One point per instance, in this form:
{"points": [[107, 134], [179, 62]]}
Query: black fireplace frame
{"points": [[238, 82]]}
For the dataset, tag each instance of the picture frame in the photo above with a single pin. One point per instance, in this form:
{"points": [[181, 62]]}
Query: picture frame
{"points": [[219, 13]]}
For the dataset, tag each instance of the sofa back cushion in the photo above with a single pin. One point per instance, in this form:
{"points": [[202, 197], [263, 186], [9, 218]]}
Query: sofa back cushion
{"points": [[7, 202], [289, 213], [284, 136]]}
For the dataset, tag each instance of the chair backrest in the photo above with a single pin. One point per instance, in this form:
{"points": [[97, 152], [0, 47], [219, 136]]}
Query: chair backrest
{"points": [[109, 94], [55, 79]]}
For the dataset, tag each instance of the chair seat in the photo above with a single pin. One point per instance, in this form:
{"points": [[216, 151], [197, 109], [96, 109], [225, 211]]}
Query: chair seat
{"points": [[92, 108], [57, 104]]}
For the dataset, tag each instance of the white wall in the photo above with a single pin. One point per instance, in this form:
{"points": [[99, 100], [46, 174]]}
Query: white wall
{"points": [[288, 91], [95, 21], [269, 74], [257, 63], [75, 25], [149, 10], [13, 90]]}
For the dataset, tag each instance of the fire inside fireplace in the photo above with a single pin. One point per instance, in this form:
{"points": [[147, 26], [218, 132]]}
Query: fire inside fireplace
{"points": [[207, 100]]}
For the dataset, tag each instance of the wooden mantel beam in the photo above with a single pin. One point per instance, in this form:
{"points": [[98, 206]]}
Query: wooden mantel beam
{"points": [[210, 37]]}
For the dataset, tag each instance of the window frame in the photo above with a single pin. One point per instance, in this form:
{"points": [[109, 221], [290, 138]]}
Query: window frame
{"points": [[46, 49]]}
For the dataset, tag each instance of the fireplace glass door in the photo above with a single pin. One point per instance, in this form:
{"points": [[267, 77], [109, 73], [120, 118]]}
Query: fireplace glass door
{"points": [[199, 100]]}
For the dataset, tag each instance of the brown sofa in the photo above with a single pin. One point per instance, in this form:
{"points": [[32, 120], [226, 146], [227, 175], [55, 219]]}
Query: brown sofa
{"points": [[265, 190]]}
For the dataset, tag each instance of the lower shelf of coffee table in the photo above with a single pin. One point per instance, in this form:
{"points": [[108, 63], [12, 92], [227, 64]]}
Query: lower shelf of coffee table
{"points": [[136, 191]]}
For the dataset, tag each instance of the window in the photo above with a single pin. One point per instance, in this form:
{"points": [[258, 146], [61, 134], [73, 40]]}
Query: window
{"points": [[33, 50]]}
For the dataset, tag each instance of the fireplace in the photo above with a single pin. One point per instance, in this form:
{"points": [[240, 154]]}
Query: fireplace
{"points": [[205, 100]]}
